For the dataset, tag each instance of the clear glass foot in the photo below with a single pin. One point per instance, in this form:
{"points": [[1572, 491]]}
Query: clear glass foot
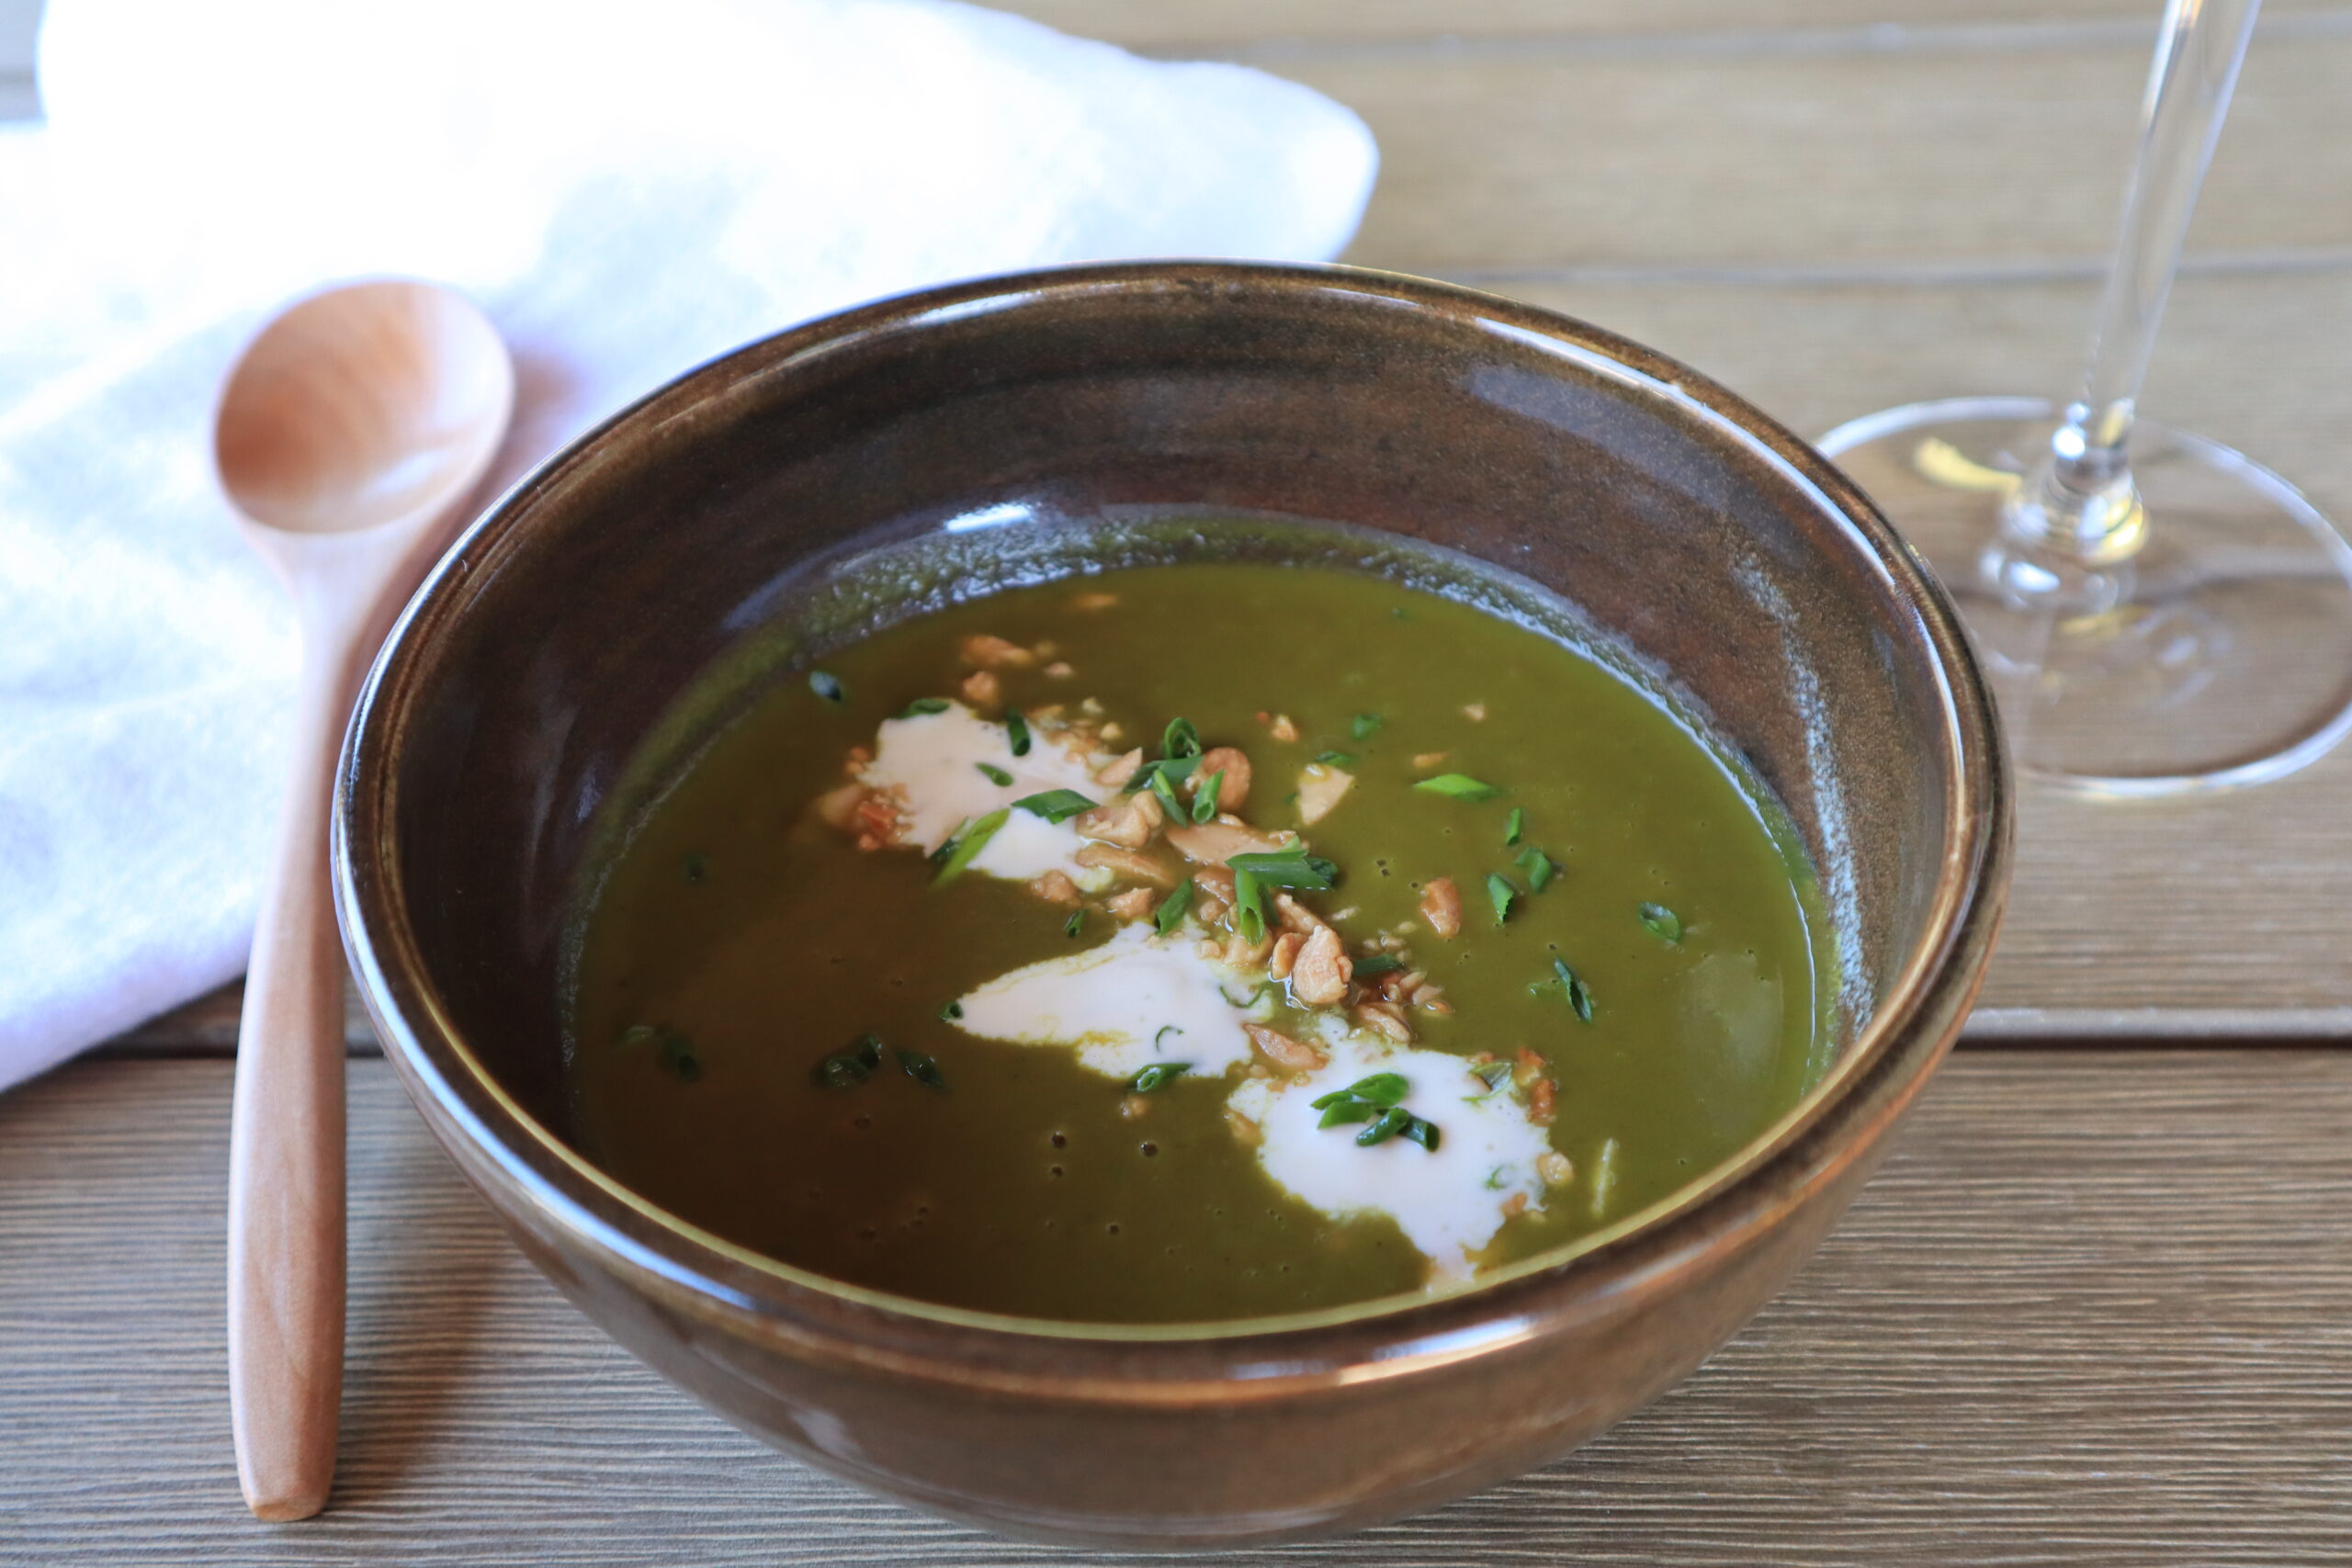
{"points": [[2219, 653]]}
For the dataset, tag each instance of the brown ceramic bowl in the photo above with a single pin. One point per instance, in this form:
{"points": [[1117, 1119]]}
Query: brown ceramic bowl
{"points": [[831, 479]]}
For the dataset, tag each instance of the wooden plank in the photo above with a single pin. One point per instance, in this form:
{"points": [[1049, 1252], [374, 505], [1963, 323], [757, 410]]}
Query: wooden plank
{"points": [[2091, 1312], [1992, 158], [1177, 27]]}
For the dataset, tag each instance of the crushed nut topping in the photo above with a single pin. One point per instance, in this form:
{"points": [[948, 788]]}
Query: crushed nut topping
{"points": [[1283, 1051], [1214, 843], [1441, 907], [1133, 865], [1129, 823], [1475, 712], [1281, 729], [1134, 904], [1385, 1018], [1056, 887], [1060, 670], [1429, 759], [1096, 600], [1119, 770], [996, 653], [1556, 1169], [1286, 954], [982, 690], [1320, 976]]}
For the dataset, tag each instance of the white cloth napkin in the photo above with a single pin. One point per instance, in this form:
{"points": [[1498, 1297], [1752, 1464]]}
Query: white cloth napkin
{"points": [[627, 189]]}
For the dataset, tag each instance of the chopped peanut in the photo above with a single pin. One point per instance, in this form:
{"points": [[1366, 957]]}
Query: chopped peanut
{"points": [[1281, 729], [1119, 770], [1320, 976], [1282, 1050], [1056, 887], [837, 808], [1095, 601], [1441, 907], [1134, 1106], [1046, 648], [1133, 865], [1294, 916], [1129, 823], [1475, 712], [1387, 1019], [1060, 670], [1210, 909], [1539, 1103], [981, 689], [1214, 843], [1429, 759], [1320, 787], [1134, 904], [1241, 952], [1556, 1169], [1514, 1205], [1245, 1132], [1215, 881], [1234, 788], [1286, 954], [1431, 999], [995, 653]]}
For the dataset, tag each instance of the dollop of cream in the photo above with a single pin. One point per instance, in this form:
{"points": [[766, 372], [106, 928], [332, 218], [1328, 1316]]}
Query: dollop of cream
{"points": [[1449, 1203], [931, 761], [1137, 999]]}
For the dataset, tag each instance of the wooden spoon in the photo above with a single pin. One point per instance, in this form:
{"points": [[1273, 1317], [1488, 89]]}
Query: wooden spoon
{"points": [[351, 426]]}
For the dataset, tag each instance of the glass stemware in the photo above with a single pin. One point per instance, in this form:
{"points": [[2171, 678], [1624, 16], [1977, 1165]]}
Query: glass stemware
{"points": [[2157, 613]]}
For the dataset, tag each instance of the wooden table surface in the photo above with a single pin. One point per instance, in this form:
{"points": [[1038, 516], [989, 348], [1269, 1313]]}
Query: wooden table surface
{"points": [[2094, 1311]]}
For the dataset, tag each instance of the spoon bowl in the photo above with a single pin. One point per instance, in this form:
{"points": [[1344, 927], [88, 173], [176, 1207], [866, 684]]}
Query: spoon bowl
{"points": [[351, 427]]}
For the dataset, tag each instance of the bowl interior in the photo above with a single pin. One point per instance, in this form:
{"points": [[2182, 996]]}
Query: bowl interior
{"points": [[816, 485]]}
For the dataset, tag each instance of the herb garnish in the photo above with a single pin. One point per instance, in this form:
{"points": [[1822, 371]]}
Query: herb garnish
{"points": [[920, 1067], [1180, 740], [1458, 786], [1167, 771], [1171, 912], [1159, 1039], [1579, 996], [1174, 808], [1054, 805], [850, 1066], [1378, 964], [826, 686], [1292, 867], [1361, 727], [1494, 1075], [1512, 826], [923, 706], [1158, 1073], [1016, 732], [1077, 918], [1205, 796], [1663, 923], [950, 1011], [1540, 867], [671, 1049], [1499, 893], [695, 869], [1377, 1099], [1249, 907], [1335, 759], [967, 848], [993, 773]]}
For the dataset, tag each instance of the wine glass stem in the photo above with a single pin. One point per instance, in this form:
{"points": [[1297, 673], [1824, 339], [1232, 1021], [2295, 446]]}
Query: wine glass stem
{"points": [[2080, 504]]}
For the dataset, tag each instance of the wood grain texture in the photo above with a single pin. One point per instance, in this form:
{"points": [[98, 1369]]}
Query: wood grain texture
{"points": [[2092, 1312]]}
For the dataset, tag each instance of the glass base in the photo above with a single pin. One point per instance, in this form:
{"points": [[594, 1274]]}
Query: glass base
{"points": [[2218, 655]]}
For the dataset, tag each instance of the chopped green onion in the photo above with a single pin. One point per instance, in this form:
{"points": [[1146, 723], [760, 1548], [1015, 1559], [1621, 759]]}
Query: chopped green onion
{"points": [[826, 686], [920, 1067], [1070, 926], [1016, 732], [1171, 912], [950, 1011], [1349, 1112], [1205, 796], [1155, 1075], [1054, 805], [1383, 1089], [1579, 996], [850, 1066], [1494, 1075], [967, 848], [1663, 922], [1540, 867], [1249, 1002], [1378, 964], [1499, 893], [1458, 786], [1174, 808], [1495, 1179], [1361, 727], [993, 773], [1293, 867], [1159, 1040], [1180, 740], [1335, 759], [921, 707], [1513, 825], [1419, 1131], [1168, 771], [1249, 908], [1392, 1122], [695, 870], [1604, 1177]]}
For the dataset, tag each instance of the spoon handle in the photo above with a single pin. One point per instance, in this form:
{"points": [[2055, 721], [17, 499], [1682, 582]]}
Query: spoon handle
{"points": [[285, 1149]]}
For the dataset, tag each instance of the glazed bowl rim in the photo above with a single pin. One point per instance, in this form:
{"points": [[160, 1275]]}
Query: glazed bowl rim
{"points": [[715, 1276]]}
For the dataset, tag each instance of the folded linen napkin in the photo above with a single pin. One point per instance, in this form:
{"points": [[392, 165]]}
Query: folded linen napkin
{"points": [[628, 189]]}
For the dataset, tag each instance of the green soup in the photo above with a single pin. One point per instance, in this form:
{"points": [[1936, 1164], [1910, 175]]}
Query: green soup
{"points": [[799, 1027]]}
